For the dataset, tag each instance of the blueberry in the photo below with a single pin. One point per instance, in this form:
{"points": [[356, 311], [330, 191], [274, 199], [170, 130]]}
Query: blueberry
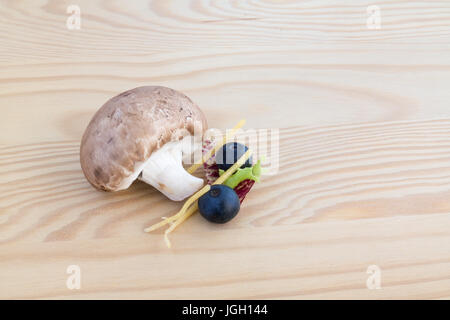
{"points": [[220, 204], [229, 154]]}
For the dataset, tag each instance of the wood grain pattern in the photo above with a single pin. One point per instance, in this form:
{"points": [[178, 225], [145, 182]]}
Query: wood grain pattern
{"points": [[364, 174]]}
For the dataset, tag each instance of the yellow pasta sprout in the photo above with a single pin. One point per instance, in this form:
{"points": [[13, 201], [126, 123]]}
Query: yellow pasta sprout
{"points": [[191, 206]]}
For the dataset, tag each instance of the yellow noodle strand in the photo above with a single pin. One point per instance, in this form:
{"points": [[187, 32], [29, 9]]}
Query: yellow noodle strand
{"points": [[183, 215], [201, 192], [179, 221], [189, 207], [192, 169], [186, 205]]}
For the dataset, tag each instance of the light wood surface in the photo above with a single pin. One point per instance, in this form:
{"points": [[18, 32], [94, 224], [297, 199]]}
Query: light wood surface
{"points": [[364, 120]]}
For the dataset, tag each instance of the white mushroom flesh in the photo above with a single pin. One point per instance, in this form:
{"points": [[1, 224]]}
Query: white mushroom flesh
{"points": [[164, 169]]}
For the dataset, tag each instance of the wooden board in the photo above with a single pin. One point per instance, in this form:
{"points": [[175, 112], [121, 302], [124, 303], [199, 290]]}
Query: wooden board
{"points": [[364, 162]]}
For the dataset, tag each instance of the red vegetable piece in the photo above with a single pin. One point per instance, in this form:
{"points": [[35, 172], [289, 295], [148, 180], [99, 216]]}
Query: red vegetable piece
{"points": [[243, 188]]}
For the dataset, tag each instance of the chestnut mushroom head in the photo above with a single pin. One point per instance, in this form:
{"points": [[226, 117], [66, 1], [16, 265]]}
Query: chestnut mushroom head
{"points": [[143, 133]]}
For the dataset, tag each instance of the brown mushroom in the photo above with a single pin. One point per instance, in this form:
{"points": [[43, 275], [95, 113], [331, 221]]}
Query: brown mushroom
{"points": [[143, 133]]}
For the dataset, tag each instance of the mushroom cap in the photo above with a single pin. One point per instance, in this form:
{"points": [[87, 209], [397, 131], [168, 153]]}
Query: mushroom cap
{"points": [[129, 127]]}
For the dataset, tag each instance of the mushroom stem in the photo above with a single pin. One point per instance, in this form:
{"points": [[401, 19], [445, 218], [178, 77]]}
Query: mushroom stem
{"points": [[164, 170]]}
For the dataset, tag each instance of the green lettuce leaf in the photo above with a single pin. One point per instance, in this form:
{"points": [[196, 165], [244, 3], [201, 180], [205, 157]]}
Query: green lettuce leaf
{"points": [[251, 173]]}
